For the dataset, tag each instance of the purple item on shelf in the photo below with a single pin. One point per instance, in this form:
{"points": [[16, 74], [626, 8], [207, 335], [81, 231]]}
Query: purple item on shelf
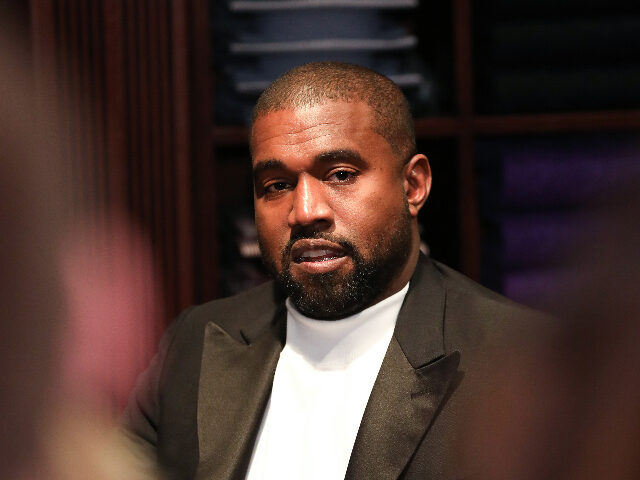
{"points": [[536, 287], [540, 239], [565, 176]]}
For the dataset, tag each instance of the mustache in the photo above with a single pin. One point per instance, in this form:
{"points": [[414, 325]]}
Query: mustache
{"points": [[348, 247]]}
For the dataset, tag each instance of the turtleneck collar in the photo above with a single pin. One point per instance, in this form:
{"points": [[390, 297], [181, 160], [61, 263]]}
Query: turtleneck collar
{"points": [[335, 344]]}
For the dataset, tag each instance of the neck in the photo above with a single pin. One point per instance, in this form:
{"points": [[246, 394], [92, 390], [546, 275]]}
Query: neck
{"points": [[405, 274]]}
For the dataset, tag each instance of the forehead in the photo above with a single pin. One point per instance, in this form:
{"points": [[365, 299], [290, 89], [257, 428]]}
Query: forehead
{"points": [[327, 126]]}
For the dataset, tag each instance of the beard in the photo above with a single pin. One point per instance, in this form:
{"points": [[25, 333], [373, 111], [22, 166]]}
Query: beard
{"points": [[335, 295]]}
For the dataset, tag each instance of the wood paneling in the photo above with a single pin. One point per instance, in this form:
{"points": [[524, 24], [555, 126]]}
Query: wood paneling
{"points": [[123, 72]]}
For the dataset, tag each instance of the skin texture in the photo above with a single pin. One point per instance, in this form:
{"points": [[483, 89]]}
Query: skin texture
{"points": [[324, 180]]}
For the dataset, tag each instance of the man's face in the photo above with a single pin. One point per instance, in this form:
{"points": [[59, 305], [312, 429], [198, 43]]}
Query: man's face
{"points": [[332, 216]]}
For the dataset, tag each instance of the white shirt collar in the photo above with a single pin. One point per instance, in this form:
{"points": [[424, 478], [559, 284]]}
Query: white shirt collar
{"points": [[333, 344]]}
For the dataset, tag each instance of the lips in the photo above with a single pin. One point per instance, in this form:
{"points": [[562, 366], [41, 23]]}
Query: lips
{"points": [[316, 250]]}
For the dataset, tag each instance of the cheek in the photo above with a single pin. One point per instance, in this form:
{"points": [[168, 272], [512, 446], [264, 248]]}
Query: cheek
{"points": [[271, 235], [367, 222], [375, 205], [367, 219]]}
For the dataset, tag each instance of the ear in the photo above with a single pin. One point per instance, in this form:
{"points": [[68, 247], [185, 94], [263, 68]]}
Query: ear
{"points": [[417, 182]]}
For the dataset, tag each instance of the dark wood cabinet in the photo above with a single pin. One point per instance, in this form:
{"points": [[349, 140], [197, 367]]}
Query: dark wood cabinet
{"points": [[148, 65]]}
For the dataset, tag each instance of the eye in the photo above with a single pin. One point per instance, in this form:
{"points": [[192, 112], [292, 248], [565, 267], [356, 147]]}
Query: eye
{"points": [[277, 186], [342, 176]]}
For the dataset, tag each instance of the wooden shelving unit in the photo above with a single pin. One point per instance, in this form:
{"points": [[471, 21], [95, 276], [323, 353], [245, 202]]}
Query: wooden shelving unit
{"points": [[453, 126], [147, 69], [466, 126], [143, 71]]}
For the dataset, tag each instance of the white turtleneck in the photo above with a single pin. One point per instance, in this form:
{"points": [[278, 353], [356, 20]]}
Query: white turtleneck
{"points": [[322, 383]]}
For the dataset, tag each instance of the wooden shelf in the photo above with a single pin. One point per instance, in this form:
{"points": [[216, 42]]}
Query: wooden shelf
{"points": [[556, 122], [465, 126], [478, 125], [427, 127]]}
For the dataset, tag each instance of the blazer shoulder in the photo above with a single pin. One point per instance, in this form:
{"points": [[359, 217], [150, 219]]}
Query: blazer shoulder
{"points": [[463, 288], [478, 316], [242, 312]]}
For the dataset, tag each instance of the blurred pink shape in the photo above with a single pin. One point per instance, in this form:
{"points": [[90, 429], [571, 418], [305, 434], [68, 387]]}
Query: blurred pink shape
{"points": [[114, 311]]}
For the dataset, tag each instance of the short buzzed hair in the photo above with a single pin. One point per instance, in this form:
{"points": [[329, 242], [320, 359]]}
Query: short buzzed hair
{"points": [[320, 82]]}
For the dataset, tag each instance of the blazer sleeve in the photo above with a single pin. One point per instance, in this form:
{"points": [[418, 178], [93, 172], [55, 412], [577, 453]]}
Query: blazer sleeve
{"points": [[140, 420]]}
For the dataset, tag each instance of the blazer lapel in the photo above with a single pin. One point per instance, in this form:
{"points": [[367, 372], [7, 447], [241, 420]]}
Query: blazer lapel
{"points": [[235, 385], [413, 380], [401, 406]]}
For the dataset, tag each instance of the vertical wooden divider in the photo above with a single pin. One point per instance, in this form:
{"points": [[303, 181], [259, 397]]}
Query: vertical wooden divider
{"points": [[469, 228]]}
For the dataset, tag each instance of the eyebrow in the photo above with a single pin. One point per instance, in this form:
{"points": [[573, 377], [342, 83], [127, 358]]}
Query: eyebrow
{"points": [[323, 157], [341, 154], [265, 165]]}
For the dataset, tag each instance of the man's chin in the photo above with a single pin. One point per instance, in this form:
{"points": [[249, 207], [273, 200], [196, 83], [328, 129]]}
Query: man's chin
{"points": [[328, 283], [326, 296]]}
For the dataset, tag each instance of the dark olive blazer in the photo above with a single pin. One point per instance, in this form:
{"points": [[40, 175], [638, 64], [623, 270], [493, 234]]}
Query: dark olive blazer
{"points": [[197, 409]]}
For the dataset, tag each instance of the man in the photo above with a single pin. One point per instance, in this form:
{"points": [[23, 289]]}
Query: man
{"points": [[362, 372]]}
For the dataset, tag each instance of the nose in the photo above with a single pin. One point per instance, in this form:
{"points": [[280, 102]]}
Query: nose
{"points": [[310, 207]]}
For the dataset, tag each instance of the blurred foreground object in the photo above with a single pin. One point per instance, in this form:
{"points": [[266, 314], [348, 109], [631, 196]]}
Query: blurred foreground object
{"points": [[112, 311], [572, 409], [65, 305]]}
